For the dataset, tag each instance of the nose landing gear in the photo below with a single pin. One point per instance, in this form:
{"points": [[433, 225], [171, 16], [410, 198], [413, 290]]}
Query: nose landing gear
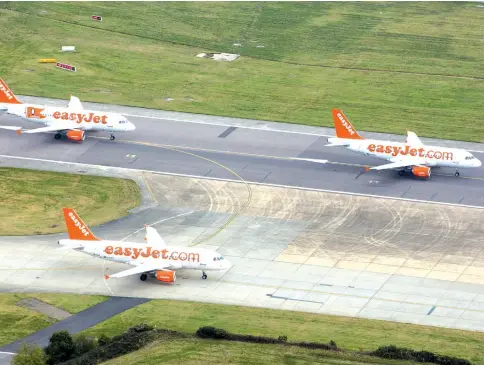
{"points": [[112, 137], [456, 174], [204, 276]]}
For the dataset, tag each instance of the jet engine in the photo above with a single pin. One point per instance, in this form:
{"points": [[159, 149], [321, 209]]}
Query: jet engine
{"points": [[165, 276], [421, 171], [76, 135]]}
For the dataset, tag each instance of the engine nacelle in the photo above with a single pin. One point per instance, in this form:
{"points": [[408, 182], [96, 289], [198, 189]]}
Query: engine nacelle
{"points": [[421, 171], [165, 276], [76, 135]]}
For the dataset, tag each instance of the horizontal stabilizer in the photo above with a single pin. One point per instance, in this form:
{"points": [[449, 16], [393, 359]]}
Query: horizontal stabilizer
{"points": [[335, 144], [70, 246]]}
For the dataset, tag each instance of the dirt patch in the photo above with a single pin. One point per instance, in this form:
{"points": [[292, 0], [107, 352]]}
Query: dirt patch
{"points": [[44, 308]]}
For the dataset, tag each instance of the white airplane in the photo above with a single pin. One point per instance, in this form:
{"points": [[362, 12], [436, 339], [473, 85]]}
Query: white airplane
{"points": [[71, 121], [412, 155], [153, 258]]}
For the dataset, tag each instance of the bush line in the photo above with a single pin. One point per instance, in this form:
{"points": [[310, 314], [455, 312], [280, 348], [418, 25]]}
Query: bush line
{"points": [[81, 350]]}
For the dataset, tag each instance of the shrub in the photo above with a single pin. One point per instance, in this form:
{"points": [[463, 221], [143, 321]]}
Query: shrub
{"points": [[103, 340], [282, 338], [30, 355], [212, 332], [60, 348], [83, 344], [317, 346], [393, 352], [133, 339], [141, 328]]}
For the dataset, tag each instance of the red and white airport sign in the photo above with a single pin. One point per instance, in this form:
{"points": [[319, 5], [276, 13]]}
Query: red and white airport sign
{"points": [[65, 66], [97, 17]]}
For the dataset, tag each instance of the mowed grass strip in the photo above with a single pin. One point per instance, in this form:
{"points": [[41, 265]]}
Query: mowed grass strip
{"points": [[128, 68], [17, 322], [195, 351], [423, 37], [31, 201], [348, 333]]}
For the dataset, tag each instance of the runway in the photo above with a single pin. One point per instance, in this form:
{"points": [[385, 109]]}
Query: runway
{"points": [[293, 249], [255, 155]]}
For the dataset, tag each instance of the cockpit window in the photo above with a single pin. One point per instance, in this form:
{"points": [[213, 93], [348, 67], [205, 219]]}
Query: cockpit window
{"points": [[470, 157], [218, 258]]}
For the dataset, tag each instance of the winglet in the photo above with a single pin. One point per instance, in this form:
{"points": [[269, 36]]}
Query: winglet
{"points": [[76, 228], [367, 168], [6, 95], [106, 276], [343, 127], [19, 131]]}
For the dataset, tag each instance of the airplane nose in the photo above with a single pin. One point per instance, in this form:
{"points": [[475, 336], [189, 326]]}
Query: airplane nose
{"points": [[478, 163]]}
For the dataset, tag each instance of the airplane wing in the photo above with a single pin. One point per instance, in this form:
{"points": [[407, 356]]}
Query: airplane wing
{"points": [[154, 238], [141, 268], [402, 163], [75, 103], [12, 128], [412, 139], [52, 128]]}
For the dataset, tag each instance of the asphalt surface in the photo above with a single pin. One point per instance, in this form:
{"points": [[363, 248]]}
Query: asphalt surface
{"points": [[251, 154]]}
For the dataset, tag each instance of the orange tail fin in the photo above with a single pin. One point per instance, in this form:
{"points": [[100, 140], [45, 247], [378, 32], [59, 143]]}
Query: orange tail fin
{"points": [[6, 95], [343, 127], [76, 228]]}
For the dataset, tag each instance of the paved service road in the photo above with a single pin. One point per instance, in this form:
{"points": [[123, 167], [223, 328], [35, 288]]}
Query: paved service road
{"points": [[263, 156], [78, 322]]}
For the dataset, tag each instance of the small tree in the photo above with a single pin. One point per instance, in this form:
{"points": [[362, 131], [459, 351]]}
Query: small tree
{"points": [[30, 355], [61, 347]]}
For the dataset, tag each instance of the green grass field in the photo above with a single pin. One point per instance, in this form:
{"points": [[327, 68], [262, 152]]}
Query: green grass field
{"points": [[31, 201], [17, 322], [194, 351], [389, 66], [348, 333]]}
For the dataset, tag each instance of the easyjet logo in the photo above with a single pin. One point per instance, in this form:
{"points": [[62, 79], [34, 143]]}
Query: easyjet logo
{"points": [[6, 90], [407, 150], [148, 251], [35, 113], [343, 121], [78, 224], [80, 117]]}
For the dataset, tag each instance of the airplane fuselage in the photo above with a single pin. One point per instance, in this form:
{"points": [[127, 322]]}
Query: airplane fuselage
{"points": [[126, 252], [390, 151], [84, 119]]}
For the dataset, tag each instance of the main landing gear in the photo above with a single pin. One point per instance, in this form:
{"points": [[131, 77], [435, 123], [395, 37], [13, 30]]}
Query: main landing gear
{"points": [[456, 174], [204, 276], [58, 136], [112, 137], [143, 277]]}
